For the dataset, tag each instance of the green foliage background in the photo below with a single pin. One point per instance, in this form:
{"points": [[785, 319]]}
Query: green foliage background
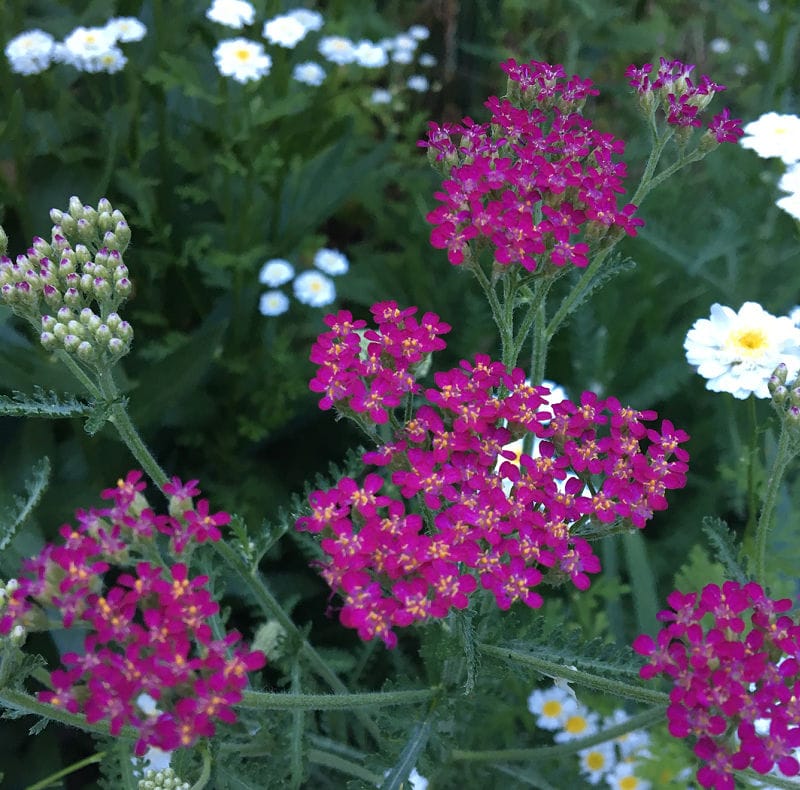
{"points": [[214, 178]]}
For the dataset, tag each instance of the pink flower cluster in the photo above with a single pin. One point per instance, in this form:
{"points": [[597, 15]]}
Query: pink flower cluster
{"points": [[372, 371], [681, 99], [491, 518], [735, 661], [536, 182], [147, 631]]}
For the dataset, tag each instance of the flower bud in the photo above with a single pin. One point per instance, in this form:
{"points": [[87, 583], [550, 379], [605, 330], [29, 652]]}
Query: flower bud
{"points": [[110, 241], [86, 231], [103, 334], [104, 204], [123, 234], [794, 396], [66, 265], [124, 287], [117, 347], [48, 322], [113, 320], [104, 221], [75, 207], [85, 351], [3, 241], [779, 394], [64, 315], [125, 332], [53, 297], [71, 342], [86, 284], [76, 328], [120, 272], [82, 255], [41, 247], [101, 257], [793, 416], [56, 215], [17, 636], [101, 288], [49, 341], [60, 331], [90, 215]]}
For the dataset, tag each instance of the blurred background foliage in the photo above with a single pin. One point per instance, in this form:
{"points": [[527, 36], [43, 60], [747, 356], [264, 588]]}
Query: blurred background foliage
{"points": [[215, 178]]}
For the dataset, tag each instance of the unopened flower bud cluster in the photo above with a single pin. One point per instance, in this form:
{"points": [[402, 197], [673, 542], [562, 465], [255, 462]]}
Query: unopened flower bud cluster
{"points": [[785, 394], [72, 286], [165, 779]]}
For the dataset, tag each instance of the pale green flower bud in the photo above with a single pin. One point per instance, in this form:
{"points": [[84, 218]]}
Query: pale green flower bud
{"points": [[165, 779], [101, 288], [56, 215], [105, 222], [113, 320], [82, 255], [125, 333], [66, 265], [90, 215], [73, 298], [794, 396], [71, 342], [53, 297], [101, 257], [120, 272], [104, 204], [69, 226], [86, 284], [75, 207], [269, 639], [18, 635], [64, 315], [124, 287], [41, 247], [60, 331], [110, 241], [76, 328], [123, 234], [49, 341], [86, 352], [117, 347], [86, 231], [48, 322], [793, 416], [103, 334], [3, 241]]}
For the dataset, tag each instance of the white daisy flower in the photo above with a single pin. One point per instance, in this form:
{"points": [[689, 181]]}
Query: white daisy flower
{"points": [[87, 42], [309, 73], [231, 13], [275, 272], [331, 262], [552, 707], [284, 31], [579, 723], [370, 55], [415, 780], [403, 48], [719, 45], [126, 28], [418, 83], [337, 49], [426, 60], [111, 61], [794, 315], [738, 352], [310, 20], [381, 96], [30, 52], [314, 289], [762, 49], [597, 761], [402, 56], [623, 777], [790, 180], [774, 135], [631, 743], [273, 303], [419, 32], [242, 59], [790, 204]]}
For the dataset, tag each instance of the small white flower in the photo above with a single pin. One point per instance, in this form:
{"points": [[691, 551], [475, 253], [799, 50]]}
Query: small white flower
{"points": [[794, 315], [551, 707], [790, 180], [623, 777], [87, 42], [147, 705], [418, 83], [231, 13], [331, 262], [403, 42], [309, 73], [285, 31], [337, 49], [719, 45], [579, 723], [631, 743], [110, 61], [381, 96], [403, 57], [774, 135], [126, 28], [310, 20], [597, 761], [369, 55], [426, 60], [30, 52], [738, 352], [157, 759], [419, 32], [273, 303], [314, 289], [763, 6], [242, 59], [275, 272], [762, 49], [415, 780], [790, 204]]}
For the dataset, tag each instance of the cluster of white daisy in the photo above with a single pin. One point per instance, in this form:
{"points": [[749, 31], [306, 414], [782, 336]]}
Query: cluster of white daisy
{"points": [[246, 60], [739, 352], [777, 135], [614, 762], [313, 287], [90, 49]]}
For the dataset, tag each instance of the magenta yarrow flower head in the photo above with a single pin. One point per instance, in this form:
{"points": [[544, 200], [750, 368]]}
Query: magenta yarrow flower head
{"points": [[147, 631], [537, 184], [503, 526], [732, 653], [682, 98]]}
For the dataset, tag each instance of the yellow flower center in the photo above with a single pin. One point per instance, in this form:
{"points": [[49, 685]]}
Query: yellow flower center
{"points": [[551, 708], [628, 783], [749, 342], [575, 724], [243, 54], [595, 761]]}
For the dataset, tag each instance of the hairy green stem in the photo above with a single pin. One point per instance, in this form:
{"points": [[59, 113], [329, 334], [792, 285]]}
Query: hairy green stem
{"points": [[79, 374], [205, 774], [348, 767], [642, 720], [262, 700], [51, 780], [783, 457], [613, 688]]}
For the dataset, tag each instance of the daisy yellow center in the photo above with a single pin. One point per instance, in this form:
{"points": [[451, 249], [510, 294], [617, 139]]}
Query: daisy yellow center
{"points": [[749, 342], [551, 708], [595, 761], [243, 54], [628, 783], [575, 724]]}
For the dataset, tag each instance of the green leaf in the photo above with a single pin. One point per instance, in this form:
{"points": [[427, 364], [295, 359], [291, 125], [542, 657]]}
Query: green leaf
{"points": [[726, 548], [43, 404], [409, 756], [12, 520]]}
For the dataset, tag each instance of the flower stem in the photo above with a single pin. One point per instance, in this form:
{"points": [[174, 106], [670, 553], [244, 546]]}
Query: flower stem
{"points": [[641, 720], [264, 700], [205, 774], [348, 767], [783, 457], [49, 781], [613, 688]]}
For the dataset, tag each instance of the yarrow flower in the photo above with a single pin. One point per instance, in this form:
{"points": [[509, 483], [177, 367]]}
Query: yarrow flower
{"points": [[537, 182], [389, 569], [731, 652], [774, 135], [147, 632], [242, 59], [738, 352]]}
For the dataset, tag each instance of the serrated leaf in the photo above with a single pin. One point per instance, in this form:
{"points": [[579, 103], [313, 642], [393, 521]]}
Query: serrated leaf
{"points": [[43, 403], [100, 415], [726, 548], [12, 520]]}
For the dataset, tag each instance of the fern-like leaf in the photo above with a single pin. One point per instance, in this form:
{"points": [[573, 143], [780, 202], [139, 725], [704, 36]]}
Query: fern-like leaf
{"points": [[43, 403], [726, 548], [12, 519]]}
